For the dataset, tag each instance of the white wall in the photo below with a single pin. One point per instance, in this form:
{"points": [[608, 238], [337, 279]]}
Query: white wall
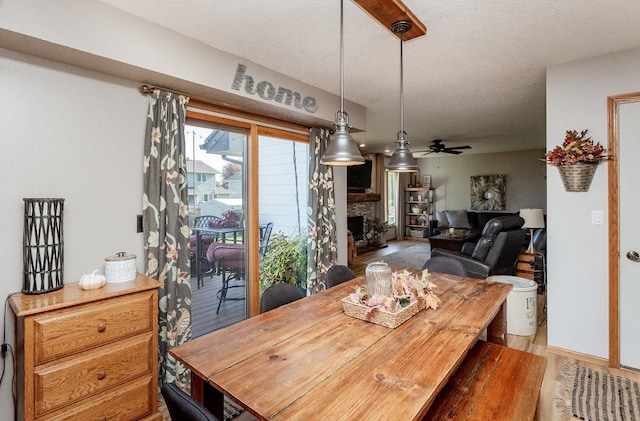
{"points": [[451, 177], [578, 254], [77, 135]]}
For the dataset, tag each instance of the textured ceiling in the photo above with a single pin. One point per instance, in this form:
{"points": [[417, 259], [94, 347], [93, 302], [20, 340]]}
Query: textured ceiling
{"points": [[476, 78]]}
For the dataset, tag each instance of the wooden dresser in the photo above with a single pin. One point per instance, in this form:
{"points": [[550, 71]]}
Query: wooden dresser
{"points": [[88, 355]]}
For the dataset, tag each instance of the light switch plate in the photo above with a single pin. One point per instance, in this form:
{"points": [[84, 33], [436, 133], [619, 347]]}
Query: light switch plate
{"points": [[596, 217]]}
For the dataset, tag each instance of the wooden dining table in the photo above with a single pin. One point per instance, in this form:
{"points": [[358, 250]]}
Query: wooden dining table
{"points": [[309, 360]]}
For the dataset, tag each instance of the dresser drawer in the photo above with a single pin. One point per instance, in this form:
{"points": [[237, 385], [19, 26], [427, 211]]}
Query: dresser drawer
{"points": [[73, 379], [132, 401], [64, 332]]}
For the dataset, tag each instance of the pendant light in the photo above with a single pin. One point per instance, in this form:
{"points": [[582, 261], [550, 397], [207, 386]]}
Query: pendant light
{"points": [[342, 149], [402, 160]]}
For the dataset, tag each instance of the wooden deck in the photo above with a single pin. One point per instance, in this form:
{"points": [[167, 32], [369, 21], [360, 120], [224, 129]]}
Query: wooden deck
{"points": [[204, 304]]}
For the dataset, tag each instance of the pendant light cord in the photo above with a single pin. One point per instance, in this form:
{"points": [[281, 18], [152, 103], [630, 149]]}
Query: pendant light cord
{"points": [[401, 86], [341, 57]]}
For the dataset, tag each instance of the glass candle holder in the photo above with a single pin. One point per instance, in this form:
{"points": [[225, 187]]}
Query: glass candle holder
{"points": [[378, 279]]}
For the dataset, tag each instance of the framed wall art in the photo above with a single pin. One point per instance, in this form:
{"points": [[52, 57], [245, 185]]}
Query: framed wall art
{"points": [[426, 181], [488, 192]]}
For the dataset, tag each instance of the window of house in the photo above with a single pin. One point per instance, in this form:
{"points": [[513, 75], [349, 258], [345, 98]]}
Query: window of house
{"points": [[392, 182]]}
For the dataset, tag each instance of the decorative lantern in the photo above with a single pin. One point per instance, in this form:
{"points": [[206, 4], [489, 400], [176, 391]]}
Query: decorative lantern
{"points": [[43, 254]]}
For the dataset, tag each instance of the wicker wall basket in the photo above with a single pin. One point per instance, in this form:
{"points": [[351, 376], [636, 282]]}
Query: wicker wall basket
{"points": [[577, 177]]}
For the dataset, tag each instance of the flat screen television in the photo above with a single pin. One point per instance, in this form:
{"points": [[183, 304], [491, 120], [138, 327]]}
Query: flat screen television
{"points": [[359, 177]]}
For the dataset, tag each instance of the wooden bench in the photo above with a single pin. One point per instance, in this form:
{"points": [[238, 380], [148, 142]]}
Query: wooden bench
{"points": [[492, 383]]}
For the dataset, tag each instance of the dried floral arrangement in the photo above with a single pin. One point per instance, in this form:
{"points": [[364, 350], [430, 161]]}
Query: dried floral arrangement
{"points": [[577, 147], [407, 288]]}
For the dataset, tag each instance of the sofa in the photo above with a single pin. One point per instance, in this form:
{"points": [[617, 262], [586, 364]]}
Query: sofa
{"points": [[464, 219]]}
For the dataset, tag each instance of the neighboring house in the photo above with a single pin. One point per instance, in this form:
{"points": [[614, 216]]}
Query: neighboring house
{"points": [[234, 185], [201, 182]]}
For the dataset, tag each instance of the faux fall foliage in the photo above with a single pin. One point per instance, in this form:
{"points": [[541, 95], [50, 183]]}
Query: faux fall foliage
{"points": [[576, 148]]}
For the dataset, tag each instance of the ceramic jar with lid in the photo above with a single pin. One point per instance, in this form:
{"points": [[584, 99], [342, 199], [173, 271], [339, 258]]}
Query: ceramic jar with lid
{"points": [[120, 267]]}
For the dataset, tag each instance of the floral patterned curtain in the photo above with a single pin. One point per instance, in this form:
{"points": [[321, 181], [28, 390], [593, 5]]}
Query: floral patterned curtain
{"points": [[322, 251], [166, 229]]}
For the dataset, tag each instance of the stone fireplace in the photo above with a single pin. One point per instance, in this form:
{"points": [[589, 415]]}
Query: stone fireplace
{"points": [[360, 207]]}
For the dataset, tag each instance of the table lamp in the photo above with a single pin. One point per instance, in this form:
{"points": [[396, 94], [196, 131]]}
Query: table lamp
{"points": [[533, 218]]}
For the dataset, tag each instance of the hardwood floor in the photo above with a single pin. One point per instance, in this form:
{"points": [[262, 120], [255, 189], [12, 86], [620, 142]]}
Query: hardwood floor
{"points": [[205, 319]]}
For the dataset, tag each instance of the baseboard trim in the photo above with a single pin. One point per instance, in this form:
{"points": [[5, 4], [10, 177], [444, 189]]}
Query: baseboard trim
{"points": [[578, 356]]}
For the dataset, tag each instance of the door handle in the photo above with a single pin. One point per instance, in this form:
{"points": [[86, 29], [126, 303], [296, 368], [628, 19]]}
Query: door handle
{"points": [[633, 256]]}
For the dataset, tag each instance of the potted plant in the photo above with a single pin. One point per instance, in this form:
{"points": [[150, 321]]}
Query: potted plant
{"points": [[374, 231], [284, 261], [577, 159]]}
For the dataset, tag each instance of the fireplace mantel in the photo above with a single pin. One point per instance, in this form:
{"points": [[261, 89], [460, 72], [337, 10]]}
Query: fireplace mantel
{"points": [[363, 197]]}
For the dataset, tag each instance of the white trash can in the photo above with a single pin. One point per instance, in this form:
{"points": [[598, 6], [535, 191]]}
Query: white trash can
{"points": [[522, 314]]}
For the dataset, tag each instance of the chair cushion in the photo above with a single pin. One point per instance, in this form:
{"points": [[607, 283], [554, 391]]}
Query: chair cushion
{"points": [[443, 222], [226, 256], [458, 219]]}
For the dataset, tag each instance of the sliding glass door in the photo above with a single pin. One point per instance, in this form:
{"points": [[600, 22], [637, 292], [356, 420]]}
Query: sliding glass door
{"points": [[248, 189]]}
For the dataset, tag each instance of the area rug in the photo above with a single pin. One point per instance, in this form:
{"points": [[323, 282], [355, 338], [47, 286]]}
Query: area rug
{"points": [[410, 257], [591, 394]]}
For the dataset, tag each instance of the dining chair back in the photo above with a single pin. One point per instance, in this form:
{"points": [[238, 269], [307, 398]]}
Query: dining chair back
{"points": [[443, 264], [279, 294], [183, 407], [338, 274]]}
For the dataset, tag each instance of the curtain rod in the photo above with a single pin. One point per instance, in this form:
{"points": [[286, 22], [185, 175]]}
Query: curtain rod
{"points": [[231, 110], [148, 90]]}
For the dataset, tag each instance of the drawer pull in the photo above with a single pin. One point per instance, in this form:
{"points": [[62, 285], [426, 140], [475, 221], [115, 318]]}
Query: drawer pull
{"points": [[101, 375], [102, 327]]}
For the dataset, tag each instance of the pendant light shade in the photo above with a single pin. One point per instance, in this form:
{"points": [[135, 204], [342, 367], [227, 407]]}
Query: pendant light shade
{"points": [[342, 149], [402, 160]]}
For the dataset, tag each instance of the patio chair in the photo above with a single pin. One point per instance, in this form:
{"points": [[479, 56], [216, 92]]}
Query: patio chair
{"points": [[278, 295], [182, 406], [442, 264], [338, 274], [206, 239], [228, 261]]}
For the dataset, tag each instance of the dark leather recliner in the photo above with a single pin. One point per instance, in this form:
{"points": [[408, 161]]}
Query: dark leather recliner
{"points": [[496, 251]]}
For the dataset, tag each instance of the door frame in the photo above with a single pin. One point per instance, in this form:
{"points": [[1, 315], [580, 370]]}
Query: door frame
{"points": [[613, 103]]}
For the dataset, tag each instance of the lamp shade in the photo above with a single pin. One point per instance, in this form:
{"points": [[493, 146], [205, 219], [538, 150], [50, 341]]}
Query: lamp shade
{"points": [[402, 159], [533, 218], [342, 149]]}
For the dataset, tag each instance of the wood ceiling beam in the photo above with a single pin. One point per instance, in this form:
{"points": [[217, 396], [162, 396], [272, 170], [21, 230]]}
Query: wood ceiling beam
{"points": [[387, 12]]}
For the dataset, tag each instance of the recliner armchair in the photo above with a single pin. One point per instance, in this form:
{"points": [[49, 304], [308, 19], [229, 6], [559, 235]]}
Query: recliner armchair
{"points": [[496, 251]]}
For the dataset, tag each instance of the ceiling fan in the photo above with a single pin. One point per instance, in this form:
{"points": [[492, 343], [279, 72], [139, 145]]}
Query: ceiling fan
{"points": [[437, 146]]}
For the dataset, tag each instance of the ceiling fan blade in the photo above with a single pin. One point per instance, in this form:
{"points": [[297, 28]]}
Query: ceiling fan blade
{"points": [[460, 147], [449, 150]]}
